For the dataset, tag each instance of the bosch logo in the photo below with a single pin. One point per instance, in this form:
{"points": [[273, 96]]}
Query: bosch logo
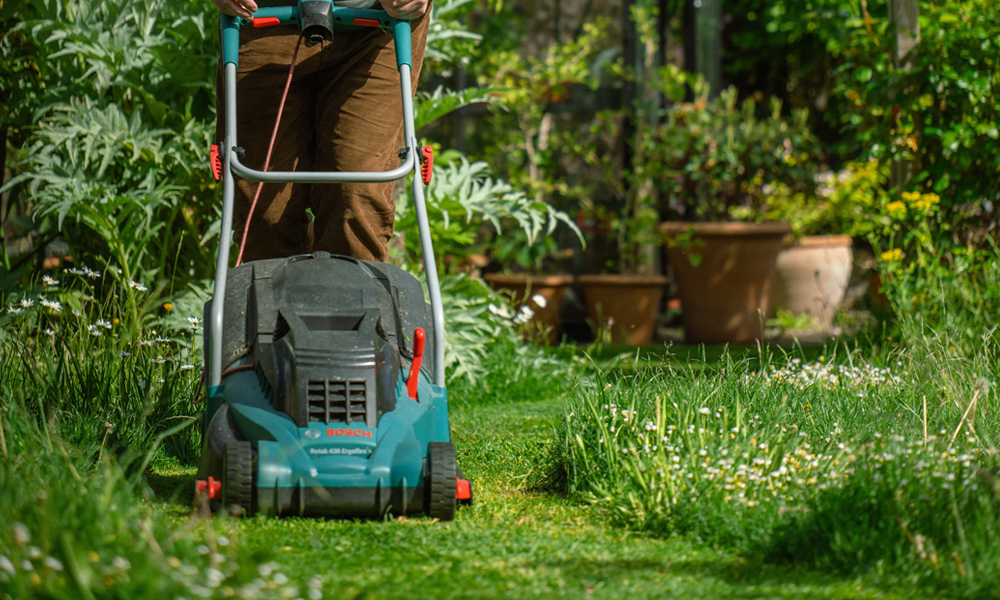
{"points": [[348, 433]]}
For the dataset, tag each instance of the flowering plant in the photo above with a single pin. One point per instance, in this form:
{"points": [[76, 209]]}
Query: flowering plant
{"points": [[849, 201], [717, 159]]}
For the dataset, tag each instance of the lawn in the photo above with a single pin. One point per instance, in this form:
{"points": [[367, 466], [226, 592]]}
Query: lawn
{"points": [[516, 542], [854, 470]]}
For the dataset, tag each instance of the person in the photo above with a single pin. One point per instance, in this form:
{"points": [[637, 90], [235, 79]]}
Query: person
{"points": [[343, 113]]}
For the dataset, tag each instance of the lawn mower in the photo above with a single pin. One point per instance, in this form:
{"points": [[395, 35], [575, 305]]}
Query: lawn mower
{"points": [[325, 373]]}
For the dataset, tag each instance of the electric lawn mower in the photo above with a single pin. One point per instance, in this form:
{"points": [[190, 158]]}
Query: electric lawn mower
{"points": [[326, 388]]}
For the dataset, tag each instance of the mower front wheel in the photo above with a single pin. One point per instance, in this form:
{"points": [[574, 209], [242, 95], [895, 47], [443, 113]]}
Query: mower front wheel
{"points": [[440, 483], [237, 483]]}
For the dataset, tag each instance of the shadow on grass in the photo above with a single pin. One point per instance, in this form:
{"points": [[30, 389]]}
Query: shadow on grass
{"points": [[173, 486], [739, 577], [694, 357]]}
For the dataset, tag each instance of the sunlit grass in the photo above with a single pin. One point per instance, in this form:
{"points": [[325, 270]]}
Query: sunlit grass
{"points": [[835, 463]]}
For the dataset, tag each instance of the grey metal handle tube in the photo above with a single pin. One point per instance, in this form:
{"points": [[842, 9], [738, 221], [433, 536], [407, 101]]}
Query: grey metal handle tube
{"points": [[232, 165], [423, 226], [225, 234], [325, 176]]}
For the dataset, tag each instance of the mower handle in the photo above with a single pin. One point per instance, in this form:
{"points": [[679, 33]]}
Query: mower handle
{"points": [[291, 15], [331, 16]]}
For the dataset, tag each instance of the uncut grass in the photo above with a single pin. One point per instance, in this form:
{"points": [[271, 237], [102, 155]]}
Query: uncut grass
{"points": [[830, 464], [73, 525], [85, 404], [84, 367]]}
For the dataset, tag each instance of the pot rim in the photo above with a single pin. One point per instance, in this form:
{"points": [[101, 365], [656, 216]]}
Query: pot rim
{"points": [[672, 228], [833, 240], [535, 280], [622, 280]]}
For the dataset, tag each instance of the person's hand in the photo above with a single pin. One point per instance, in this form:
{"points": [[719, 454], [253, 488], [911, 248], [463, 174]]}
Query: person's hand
{"points": [[237, 8], [402, 9]]}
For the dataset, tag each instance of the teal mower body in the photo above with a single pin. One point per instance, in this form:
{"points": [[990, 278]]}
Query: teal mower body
{"points": [[326, 394]]}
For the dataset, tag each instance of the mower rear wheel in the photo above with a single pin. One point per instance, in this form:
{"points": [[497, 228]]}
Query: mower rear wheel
{"points": [[440, 483], [237, 483]]}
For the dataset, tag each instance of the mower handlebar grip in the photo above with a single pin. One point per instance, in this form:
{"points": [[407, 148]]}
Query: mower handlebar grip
{"points": [[230, 26]]}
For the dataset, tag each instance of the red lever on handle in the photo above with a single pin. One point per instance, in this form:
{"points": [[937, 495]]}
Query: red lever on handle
{"points": [[265, 22], [215, 159], [418, 357], [426, 164]]}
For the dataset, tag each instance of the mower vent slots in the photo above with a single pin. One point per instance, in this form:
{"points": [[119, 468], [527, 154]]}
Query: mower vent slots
{"points": [[337, 400], [265, 385], [326, 336], [281, 329]]}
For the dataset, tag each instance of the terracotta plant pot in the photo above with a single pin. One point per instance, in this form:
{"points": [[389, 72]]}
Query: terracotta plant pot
{"points": [[624, 306], [544, 325], [723, 273], [811, 277]]}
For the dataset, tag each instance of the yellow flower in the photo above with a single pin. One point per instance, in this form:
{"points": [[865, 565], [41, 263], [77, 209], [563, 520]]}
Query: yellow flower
{"points": [[896, 206], [911, 196], [168, 307], [927, 201], [894, 254]]}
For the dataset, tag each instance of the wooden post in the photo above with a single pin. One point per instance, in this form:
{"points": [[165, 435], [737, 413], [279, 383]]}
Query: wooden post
{"points": [[629, 90], [708, 54], [663, 28], [905, 15], [702, 29]]}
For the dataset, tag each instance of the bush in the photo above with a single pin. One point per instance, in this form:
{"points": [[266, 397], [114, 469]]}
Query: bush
{"points": [[715, 158], [938, 115], [114, 149]]}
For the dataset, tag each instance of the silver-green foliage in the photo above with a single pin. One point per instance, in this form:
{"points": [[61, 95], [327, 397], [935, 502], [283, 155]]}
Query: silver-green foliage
{"points": [[448, 39], [121, 121], [463, 197], [471, 329]]}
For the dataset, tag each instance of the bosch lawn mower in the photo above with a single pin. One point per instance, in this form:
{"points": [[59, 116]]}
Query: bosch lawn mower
{"points": [[326, 373]]}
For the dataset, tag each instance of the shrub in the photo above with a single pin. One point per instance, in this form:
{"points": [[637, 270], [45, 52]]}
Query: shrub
{"points": [[114, 147], [715, 158]]}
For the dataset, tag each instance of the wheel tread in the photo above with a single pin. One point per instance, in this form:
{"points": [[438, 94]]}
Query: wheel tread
{"points": [[238, 484], [441, 473]]}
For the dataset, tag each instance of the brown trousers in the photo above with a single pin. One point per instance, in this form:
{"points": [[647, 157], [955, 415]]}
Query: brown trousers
{"points": [[343, 113]]}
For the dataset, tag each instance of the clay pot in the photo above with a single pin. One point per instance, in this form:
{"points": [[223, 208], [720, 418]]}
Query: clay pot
{"points": [[723, 273], [811, 277], [544, 325], [624, 306]]}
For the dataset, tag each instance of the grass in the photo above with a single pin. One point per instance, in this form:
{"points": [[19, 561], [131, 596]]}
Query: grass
{"points": [[521, 540], [836, 465], [517, 542], [695, 473]]}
